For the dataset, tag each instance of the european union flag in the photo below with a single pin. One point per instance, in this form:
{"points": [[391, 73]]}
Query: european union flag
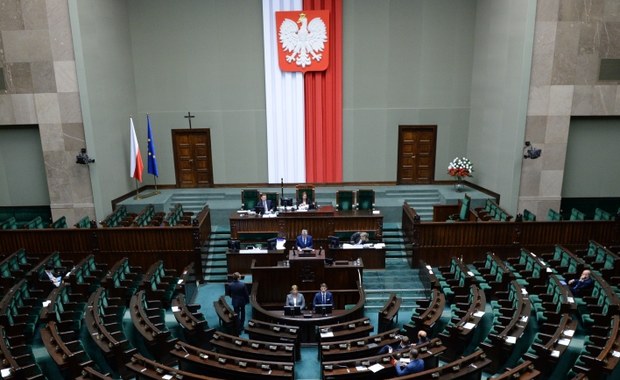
{"points": [[152, 161]]}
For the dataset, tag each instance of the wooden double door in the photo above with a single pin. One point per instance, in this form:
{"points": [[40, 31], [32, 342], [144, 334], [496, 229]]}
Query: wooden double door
{"points": [[416, 154], [193, 163]]}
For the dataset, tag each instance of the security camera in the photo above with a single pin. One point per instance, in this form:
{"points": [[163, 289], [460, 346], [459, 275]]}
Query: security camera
{"points": [[529, 151], [83, 159]]}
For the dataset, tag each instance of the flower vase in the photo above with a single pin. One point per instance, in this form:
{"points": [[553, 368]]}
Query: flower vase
{"points": [[459, 186]]}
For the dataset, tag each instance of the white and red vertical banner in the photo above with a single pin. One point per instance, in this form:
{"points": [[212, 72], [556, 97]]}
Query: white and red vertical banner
{"points": [[303, 84], [284, 105]]}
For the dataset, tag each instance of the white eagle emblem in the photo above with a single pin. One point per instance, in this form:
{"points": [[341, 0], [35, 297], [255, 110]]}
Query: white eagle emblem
{"points": [[305, 42]]}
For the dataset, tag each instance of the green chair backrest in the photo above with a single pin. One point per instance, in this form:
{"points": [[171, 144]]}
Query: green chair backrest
{"points": [[600, 214], [365, 199], [528, 216], [464, 211], [60, 223], [9, 224], [249, 198], [553, 215], [83, 223], [577, 215], [345, 200]]}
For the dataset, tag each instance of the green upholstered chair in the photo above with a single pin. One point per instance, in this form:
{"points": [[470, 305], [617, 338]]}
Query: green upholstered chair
{"points": [[553, 215], [528, 216], [600, 214], [365, 199], [60, 223], [249, 198], [308, 189], [463, 214], [83, 223], [345, 200], [577, 215]]}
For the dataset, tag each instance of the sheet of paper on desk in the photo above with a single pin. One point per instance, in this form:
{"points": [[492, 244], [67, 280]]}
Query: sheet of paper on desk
{"points": [[352, 246], [469, 326], [379, 245], [175, 309], [252, 251], [328, 334], [376, 367], [361, 368], [479, 314]]}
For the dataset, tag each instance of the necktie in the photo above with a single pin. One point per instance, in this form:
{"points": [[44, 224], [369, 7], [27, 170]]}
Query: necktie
{"points": [[304, 241], [295, 301], [323, 298]]}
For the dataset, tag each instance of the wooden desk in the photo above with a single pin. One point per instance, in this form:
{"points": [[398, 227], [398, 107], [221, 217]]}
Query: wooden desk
{"points": [[320, 224], [307, 273], [374, 258], [241, 261], [307, 325]]}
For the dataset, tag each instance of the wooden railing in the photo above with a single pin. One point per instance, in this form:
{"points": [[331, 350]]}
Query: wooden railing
{"points": [[436, 242], [177, 246]]}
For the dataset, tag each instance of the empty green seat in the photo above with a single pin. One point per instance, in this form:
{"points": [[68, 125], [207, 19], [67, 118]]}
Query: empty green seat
{"points": [[365, 199], [345, 200], [553, 215], [249, 199]]}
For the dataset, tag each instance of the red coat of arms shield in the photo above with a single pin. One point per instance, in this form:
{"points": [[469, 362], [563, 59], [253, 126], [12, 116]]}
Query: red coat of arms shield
{"points": [[303, 40]]}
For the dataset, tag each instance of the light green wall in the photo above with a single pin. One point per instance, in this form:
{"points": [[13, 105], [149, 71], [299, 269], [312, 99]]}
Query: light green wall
{"points": [[203, 56], [21, 161], [405, 62], [107, 92], [592, 158], [500, 83]]}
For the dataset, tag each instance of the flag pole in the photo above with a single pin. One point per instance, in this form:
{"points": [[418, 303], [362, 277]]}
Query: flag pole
{"points": [[155, 179], [137, 190]]}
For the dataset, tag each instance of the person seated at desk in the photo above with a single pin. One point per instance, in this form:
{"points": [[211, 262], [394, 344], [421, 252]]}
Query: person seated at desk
{"points": [[264, 205], [402, 344], [304, 203], [422, 337], [304, 240], [415, 364], [583, 285], [48, 276], [323, 297], [360, 238], [294, 298]]}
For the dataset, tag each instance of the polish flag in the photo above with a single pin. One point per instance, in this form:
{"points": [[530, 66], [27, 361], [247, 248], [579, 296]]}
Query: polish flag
{"points": [[135, 166]]}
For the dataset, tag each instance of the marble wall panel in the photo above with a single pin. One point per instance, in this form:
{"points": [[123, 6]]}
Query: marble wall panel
{"points": [[65, 75], [24, 109], [565, 53], [19, 78], [11, 15], [536, 129], [70, 110], [551, 182], [51, 134], [43, 79], [73, 135], [60, 30], [34, 14], [555, 156], [26, 45], [48, 110], [7, 116], [556, 131]]}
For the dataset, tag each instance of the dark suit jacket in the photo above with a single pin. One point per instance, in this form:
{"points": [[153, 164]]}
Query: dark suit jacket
{"points": [[581, 287], [260, 205], [318, 298], [239, 293], [299, 242]]}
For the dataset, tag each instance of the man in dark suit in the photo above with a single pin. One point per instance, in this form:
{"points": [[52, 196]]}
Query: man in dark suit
{"points": [[304, 240], [264, 204], [323, 297], [583, 285], [240, 298], [49, 277]]}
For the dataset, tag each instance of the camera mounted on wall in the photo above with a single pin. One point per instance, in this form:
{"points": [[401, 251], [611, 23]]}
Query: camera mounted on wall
{"points": [[529, 151], [83, 159]]}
